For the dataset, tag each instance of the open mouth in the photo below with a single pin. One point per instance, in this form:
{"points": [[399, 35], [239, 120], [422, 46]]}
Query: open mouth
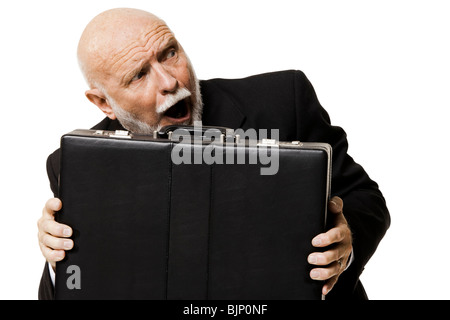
{"points": [[179, 111]]}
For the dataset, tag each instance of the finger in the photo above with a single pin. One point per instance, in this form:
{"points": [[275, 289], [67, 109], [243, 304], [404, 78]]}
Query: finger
{"points": [[57, 243], [327, 257], [52, 256], [51, 206], [325, 273], [333, 235], [329, 285], [55, 229], [336, 205]]}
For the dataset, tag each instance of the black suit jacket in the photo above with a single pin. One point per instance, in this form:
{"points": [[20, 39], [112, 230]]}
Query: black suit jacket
{"points": [[287, 101]]}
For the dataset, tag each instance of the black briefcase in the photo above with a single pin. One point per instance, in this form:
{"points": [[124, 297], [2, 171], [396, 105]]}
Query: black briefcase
{"points": [[189, 214]]}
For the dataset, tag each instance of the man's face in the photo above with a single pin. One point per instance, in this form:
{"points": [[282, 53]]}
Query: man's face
{"points": [[146, 69]]}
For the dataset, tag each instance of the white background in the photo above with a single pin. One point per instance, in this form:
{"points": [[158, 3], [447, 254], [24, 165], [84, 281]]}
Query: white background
{"points": [[380, 68]]}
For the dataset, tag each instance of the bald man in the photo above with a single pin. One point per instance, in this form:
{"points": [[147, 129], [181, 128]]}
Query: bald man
{"points": [[140, 77]]}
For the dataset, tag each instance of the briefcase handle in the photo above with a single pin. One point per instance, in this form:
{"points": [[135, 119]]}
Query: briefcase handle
{"points": [[205, 132]]}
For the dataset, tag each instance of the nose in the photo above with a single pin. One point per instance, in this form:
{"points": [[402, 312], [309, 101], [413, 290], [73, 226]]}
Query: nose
{"points": [[167, 83]]}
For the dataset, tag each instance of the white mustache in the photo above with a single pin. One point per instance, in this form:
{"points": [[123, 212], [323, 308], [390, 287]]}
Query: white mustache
{"points": [[171, 99]]}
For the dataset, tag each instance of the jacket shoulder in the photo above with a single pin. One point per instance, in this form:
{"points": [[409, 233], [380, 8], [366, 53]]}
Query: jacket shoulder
{"points": [[267, 100], [270, 77]]}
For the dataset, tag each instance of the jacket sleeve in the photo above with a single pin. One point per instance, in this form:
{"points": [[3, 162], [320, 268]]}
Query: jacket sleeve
{"points": [[53, 171], [364, 205], [46, 290]]}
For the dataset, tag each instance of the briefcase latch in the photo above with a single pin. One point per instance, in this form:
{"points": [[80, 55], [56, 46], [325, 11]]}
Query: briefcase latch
{"points": [[123, 134], [267, 142]]}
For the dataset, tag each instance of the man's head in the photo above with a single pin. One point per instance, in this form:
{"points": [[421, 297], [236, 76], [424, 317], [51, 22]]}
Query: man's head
{"points": [[137, 71]]}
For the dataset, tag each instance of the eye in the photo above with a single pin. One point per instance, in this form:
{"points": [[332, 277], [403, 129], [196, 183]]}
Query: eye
{"points": [[172, 53], [138, 76]]}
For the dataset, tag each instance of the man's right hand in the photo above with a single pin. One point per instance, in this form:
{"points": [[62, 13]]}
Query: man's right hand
{"points": [[53, 236]]}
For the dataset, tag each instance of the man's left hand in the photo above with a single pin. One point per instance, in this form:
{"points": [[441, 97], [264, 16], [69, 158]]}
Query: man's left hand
{"points": [[339, 241]]}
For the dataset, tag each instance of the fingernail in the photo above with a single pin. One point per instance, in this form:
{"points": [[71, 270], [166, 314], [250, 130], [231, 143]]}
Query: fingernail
{"points": [[317, 242], [335, 205], [68, 244], [67, 232], [59, 255], [328, 289], [312, 259], [315, 274]]}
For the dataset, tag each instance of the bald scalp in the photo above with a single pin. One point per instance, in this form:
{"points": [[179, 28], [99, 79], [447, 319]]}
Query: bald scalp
{"points": [[106, 34]]}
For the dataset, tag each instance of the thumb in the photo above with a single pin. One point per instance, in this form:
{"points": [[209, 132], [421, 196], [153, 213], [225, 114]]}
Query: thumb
{"points": [[336, 205], [52, 205]]}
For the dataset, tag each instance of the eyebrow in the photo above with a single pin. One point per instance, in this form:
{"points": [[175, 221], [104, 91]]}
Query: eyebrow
{"points": [[170, 43], [166, 45], [130, 75]]}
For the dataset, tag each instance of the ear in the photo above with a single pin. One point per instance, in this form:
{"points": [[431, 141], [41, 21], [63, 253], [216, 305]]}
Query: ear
{"points": [[99, 99]]}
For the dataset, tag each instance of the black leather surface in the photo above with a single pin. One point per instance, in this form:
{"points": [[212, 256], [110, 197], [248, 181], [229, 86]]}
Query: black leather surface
{"points": [[262, 227], [145, 228]]}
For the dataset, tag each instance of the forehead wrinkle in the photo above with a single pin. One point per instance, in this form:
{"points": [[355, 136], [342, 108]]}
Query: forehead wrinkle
{"points": [[127, 53]]}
